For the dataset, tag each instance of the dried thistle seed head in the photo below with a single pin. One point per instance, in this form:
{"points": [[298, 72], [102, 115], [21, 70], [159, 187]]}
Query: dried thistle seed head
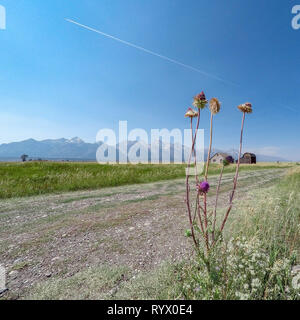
{"points": [[214, 106], [246, 107], [200, 101], [191, 113]]}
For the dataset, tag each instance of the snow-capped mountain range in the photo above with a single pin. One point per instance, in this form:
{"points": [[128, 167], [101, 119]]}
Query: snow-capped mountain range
{"points": [[76, 148]]}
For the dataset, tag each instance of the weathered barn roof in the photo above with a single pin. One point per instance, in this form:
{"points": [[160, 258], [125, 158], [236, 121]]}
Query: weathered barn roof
{"points": [[249, 153], [225, 155]]}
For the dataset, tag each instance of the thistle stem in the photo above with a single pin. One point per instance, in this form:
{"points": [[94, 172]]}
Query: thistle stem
{"points": [[236, 176], [210, 144], [189, 209], [216, 204], [194, 138], [188, 176], [193, 149], [199, 208], [205, 221]]}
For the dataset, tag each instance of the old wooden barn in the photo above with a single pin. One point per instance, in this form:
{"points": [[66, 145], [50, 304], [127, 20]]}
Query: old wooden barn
{"points": [[249, 158]]}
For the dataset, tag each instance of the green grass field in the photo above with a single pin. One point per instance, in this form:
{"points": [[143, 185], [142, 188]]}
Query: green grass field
{"points": [[27, 179]]}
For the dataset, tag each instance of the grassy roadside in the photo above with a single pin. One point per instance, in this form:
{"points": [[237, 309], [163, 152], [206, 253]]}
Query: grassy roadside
{"points": [[28, 179], [264, 245], [267, 242]]}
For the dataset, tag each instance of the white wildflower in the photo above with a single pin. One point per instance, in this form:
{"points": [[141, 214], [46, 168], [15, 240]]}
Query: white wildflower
{"points": [[296, 282], [242, 296], [246, 286], [255, 283]]}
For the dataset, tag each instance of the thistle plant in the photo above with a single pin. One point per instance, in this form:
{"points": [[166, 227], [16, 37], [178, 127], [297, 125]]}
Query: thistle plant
{"points": [[200, 103], [244, 108], [214, 106], [205, 230]]}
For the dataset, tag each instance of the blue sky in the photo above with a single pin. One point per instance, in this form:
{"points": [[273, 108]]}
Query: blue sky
{"points": [[60, 80]]}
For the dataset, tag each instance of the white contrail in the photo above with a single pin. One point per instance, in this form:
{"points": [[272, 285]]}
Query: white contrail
{"points": [[150, 52], [289, 108]]}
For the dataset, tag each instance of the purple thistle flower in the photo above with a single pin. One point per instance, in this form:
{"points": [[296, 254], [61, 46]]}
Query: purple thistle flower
{"points": [[200, 96], [200, 101], [203, 187]]}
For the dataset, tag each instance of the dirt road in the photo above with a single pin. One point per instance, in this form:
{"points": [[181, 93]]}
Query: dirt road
{"points": [[139, 226]]}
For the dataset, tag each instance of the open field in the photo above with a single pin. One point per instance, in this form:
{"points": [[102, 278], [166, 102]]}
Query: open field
{"points": [[128, 242], [34, 178]]}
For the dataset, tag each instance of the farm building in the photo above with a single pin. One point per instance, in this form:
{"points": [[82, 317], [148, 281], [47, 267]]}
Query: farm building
{"points": [[220, 157], [249, 158]]}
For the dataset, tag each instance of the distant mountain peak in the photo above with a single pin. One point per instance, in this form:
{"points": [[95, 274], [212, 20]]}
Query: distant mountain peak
{"points": [[75, 140], [29, 140]]}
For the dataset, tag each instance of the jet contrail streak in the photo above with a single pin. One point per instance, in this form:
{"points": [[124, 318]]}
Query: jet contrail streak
{"points": [[289, 108], [150, 52]]}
